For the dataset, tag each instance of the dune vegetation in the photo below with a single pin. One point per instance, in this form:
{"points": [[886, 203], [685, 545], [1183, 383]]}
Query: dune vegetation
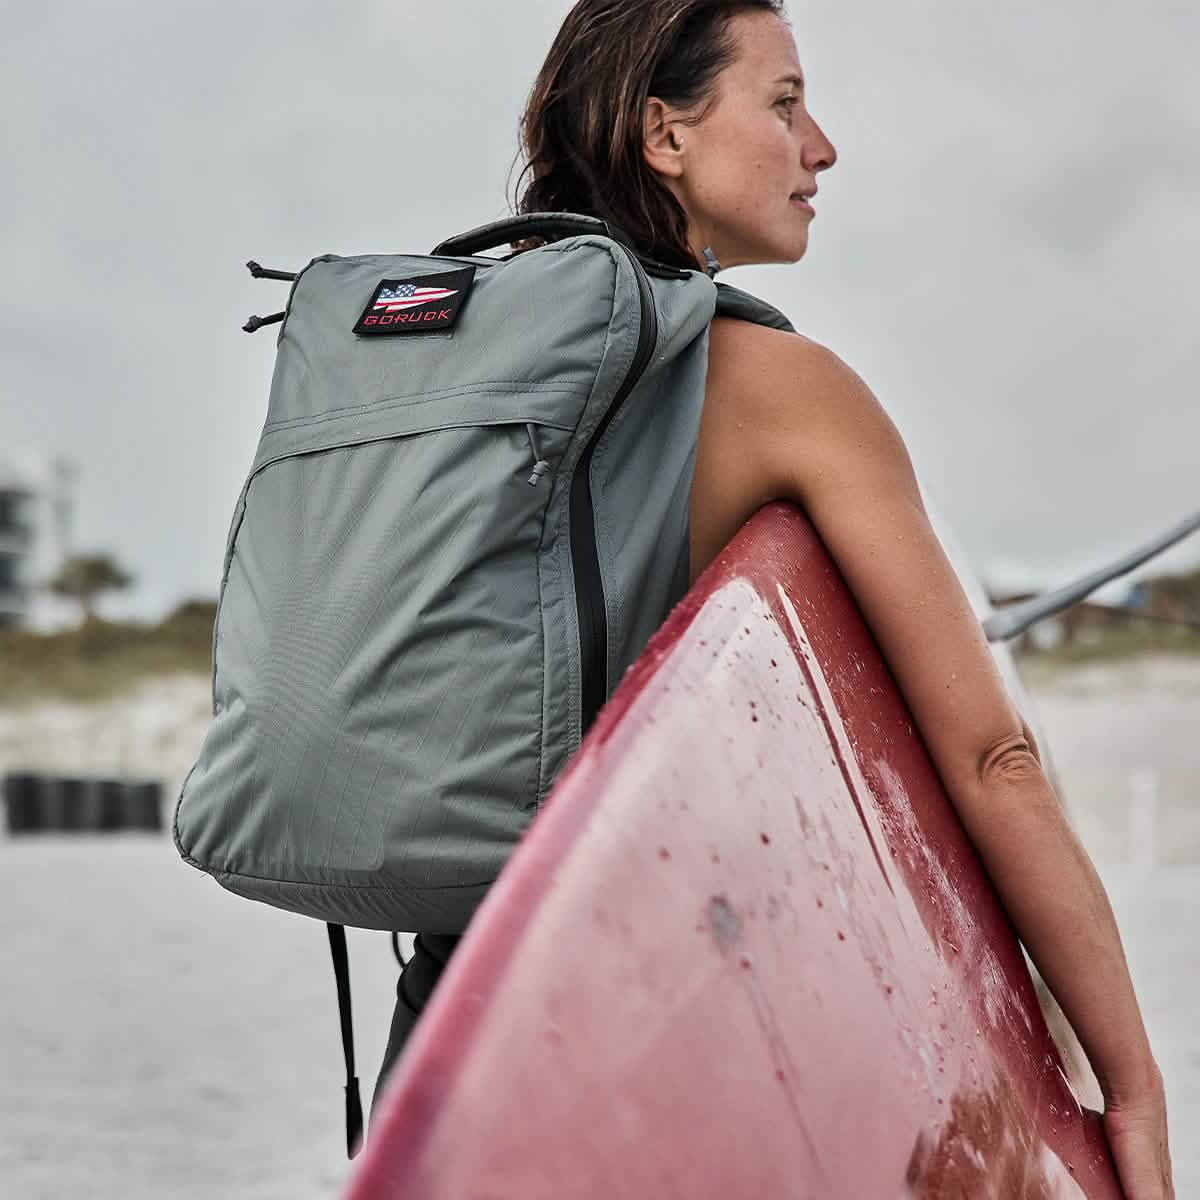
{"points": [[100, 658]]}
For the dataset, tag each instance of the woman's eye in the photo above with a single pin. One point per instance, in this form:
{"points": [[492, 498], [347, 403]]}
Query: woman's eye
{"points": [[789, 101]]}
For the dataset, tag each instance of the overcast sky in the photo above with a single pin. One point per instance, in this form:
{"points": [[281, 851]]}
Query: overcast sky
{"points": [[1007, 251]]}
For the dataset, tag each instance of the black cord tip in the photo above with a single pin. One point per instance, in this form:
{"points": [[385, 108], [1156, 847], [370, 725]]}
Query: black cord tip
{"points": [[354, 1119], [254, 324]]}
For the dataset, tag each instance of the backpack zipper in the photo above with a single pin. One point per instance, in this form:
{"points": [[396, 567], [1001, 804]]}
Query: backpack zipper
{"points": [[540, 465], [585, 557]]}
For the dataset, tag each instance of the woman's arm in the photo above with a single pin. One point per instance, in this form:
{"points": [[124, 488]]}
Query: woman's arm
{"points": [[826, 443]]}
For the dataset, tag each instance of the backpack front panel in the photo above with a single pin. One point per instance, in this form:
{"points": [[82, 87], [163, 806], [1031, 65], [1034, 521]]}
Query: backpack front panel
{"points": [[375, 674]]}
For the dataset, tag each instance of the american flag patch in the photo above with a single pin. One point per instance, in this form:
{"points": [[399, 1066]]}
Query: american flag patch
{"points": [[427, 303], [408, 295]]}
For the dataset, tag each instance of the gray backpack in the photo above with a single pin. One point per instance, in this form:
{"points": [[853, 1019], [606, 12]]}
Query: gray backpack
{"points": [[467, 514]]}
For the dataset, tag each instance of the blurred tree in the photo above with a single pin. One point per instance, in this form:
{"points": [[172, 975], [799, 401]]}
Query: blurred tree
{"points": [[82, 578]]}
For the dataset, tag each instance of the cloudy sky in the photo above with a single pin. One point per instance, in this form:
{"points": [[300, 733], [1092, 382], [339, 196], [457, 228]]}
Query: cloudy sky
{"points": [[1007, 251]]}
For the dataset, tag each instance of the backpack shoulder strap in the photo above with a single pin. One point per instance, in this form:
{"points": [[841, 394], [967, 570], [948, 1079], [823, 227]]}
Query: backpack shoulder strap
{"points": [[733, 302]]}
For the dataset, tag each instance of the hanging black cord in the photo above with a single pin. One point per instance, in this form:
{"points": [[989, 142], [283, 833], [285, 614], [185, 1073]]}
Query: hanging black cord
{"points": [[341, 974]]}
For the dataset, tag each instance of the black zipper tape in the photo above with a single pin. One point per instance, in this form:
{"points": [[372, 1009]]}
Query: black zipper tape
{"points": [[585, 557]]}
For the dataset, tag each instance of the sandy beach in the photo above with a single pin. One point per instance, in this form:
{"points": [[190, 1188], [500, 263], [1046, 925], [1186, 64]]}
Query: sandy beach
{"points": [[162, 1038]]}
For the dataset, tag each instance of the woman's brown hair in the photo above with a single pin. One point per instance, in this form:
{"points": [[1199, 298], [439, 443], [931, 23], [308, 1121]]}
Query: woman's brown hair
{"points": [[581, 132]]}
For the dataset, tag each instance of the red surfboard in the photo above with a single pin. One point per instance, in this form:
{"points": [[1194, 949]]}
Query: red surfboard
{"points": [[745, 950]]}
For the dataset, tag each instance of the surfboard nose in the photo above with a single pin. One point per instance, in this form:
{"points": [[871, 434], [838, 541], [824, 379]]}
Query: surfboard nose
{"points": [[745, 948]]}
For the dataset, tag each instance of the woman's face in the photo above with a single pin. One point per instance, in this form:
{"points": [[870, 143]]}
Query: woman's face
{"points": [[739, 171]]}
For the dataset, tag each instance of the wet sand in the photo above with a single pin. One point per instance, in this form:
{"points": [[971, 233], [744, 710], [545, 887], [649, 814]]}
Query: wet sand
{"points": [[162, 1038]]}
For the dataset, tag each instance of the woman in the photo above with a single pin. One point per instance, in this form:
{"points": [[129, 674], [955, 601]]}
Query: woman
{"points": [[685, 122]]}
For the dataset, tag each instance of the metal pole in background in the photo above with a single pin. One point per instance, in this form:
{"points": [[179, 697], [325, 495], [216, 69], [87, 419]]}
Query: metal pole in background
{"points": [[1011, 622]]}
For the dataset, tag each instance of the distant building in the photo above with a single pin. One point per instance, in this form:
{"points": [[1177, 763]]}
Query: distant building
{"points": [[17, 500], [36, 507]]}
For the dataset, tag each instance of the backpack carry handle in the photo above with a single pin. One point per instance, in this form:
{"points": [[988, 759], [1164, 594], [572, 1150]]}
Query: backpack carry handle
{"points": [[513, 229]]}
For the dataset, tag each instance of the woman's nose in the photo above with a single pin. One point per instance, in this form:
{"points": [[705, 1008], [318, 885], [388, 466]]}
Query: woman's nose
{"points": [[819, 153]]}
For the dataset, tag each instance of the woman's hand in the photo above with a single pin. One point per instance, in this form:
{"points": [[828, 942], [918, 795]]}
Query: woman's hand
{"points": [[1136, 1124]]}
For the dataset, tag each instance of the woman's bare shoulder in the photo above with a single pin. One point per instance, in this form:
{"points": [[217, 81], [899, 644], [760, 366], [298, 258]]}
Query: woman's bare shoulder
{"points": [[765, 361], [733, 336], [794, 391]]}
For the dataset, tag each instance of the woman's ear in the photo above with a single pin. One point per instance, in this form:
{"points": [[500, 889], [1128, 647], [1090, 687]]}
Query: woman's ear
{"points": [[662, 143]]}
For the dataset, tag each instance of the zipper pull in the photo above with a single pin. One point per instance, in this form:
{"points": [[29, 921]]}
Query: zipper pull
{"points": [[540, 466], [260, 272], [256, 323]]}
